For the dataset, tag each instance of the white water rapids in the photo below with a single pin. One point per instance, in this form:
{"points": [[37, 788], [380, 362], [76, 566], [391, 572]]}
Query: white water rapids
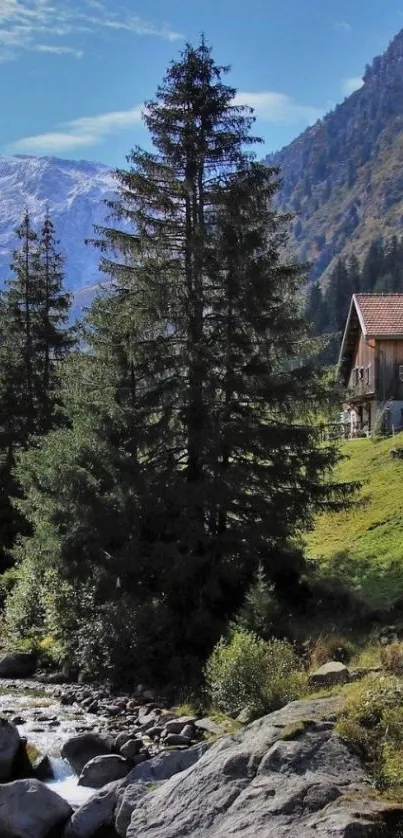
{"points": [[46, 724]]}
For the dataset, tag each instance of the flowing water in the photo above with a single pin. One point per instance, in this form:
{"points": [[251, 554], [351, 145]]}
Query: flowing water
{"points": [[46, 724]]}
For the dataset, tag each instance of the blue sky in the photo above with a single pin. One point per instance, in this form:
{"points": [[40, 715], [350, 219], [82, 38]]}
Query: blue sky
{"points": [[74, 73]]}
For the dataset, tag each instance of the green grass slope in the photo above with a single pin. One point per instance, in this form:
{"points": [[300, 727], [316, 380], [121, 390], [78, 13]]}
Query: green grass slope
{"points": [[364, 546]]}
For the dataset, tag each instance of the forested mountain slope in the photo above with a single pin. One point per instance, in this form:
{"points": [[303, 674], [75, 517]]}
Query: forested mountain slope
{"points": [[343, 177]]}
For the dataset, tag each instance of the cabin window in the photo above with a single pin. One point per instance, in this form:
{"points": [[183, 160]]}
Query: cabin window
{"points": [[368, 376], [361, 373]]}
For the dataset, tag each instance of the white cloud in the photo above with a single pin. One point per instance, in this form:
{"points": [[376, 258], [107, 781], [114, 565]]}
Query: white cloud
{"points": [[343, 26], [142, 27], [25, 24], [78, 133], [351, 84], [59, 50], [279, 108]]}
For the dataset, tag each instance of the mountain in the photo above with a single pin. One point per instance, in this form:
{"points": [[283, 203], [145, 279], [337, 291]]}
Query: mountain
{"points": [[73, 191], [343, 177]]}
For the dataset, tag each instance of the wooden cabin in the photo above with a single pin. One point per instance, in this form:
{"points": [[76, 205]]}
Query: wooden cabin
{"points": [[371, 363]]}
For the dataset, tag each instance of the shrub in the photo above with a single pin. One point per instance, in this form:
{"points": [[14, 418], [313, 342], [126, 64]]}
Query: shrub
{"points": [[328, 647], [248, 672], [392, 658], [372, 722]]}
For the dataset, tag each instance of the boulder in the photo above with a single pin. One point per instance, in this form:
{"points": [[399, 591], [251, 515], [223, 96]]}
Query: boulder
{"points": [[10, 745], [329, 674], [96, 814], [128, 801], [79, 750], [17, 665], [207, 725], [121, 740], [166, 764], [177, 725], [28, 809], [131, 748], [41, 768], [287, 775], [102, 770]]}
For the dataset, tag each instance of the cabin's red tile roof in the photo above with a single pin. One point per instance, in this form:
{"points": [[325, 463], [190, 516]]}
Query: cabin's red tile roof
{"points": [[381, 315]]}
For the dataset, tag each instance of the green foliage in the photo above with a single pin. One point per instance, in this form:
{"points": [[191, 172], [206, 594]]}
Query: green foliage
{"points": [[372, 722], [260, 611], [249, 672]]}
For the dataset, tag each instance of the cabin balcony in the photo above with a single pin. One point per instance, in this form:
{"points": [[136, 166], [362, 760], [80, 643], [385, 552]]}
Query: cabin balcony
{"points": [[361, 385]]}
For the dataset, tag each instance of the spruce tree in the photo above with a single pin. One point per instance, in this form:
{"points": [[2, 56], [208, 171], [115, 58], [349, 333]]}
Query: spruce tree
{"points": [[236, 471], [33, 310], [53, 337], [198, 445]]}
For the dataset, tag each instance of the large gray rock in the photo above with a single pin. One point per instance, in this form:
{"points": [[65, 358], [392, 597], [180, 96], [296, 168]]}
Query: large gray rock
{"points": [[17, 665], [97, 813], [102, 770], [117, 800], [166, 764], [329, 674], [287, 775], [82, 748], [28, 809], [127, 801], [10, 743]]}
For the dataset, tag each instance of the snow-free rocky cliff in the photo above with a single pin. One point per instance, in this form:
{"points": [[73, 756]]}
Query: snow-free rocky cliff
{"points": [[74, 191]]}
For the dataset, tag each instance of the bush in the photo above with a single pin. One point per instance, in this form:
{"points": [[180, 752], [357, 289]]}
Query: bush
{"points": [[392, 658], [331, 647], [372, 722], [248, 672]]}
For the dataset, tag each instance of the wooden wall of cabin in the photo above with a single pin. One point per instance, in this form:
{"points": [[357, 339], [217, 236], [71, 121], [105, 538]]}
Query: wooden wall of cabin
{"points": [[364, 357], [389, 355]]}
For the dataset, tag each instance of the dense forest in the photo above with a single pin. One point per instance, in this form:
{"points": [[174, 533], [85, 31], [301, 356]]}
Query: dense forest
{"points": [[327, 309], [166, 453]]}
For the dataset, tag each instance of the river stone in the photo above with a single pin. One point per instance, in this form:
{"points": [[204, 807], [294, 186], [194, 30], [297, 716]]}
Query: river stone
{"points": [[176, 740], [177, 725], [17, 665], [121, 740], [269, 782], [102, 770], [28, 809], [131, 748], [79, 750], [329, 674], [10, 744]]}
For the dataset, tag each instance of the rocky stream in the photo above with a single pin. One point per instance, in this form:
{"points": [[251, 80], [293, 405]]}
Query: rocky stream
{"points": [[80, 762]]}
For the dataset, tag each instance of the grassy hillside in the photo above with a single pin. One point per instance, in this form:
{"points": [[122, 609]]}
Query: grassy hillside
{"points": [[364, 547]]}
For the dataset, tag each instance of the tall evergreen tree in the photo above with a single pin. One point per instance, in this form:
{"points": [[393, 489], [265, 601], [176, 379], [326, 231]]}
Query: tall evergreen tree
{"points": [[338, 295], [204, 418], [33, 310], [54, 338]]}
